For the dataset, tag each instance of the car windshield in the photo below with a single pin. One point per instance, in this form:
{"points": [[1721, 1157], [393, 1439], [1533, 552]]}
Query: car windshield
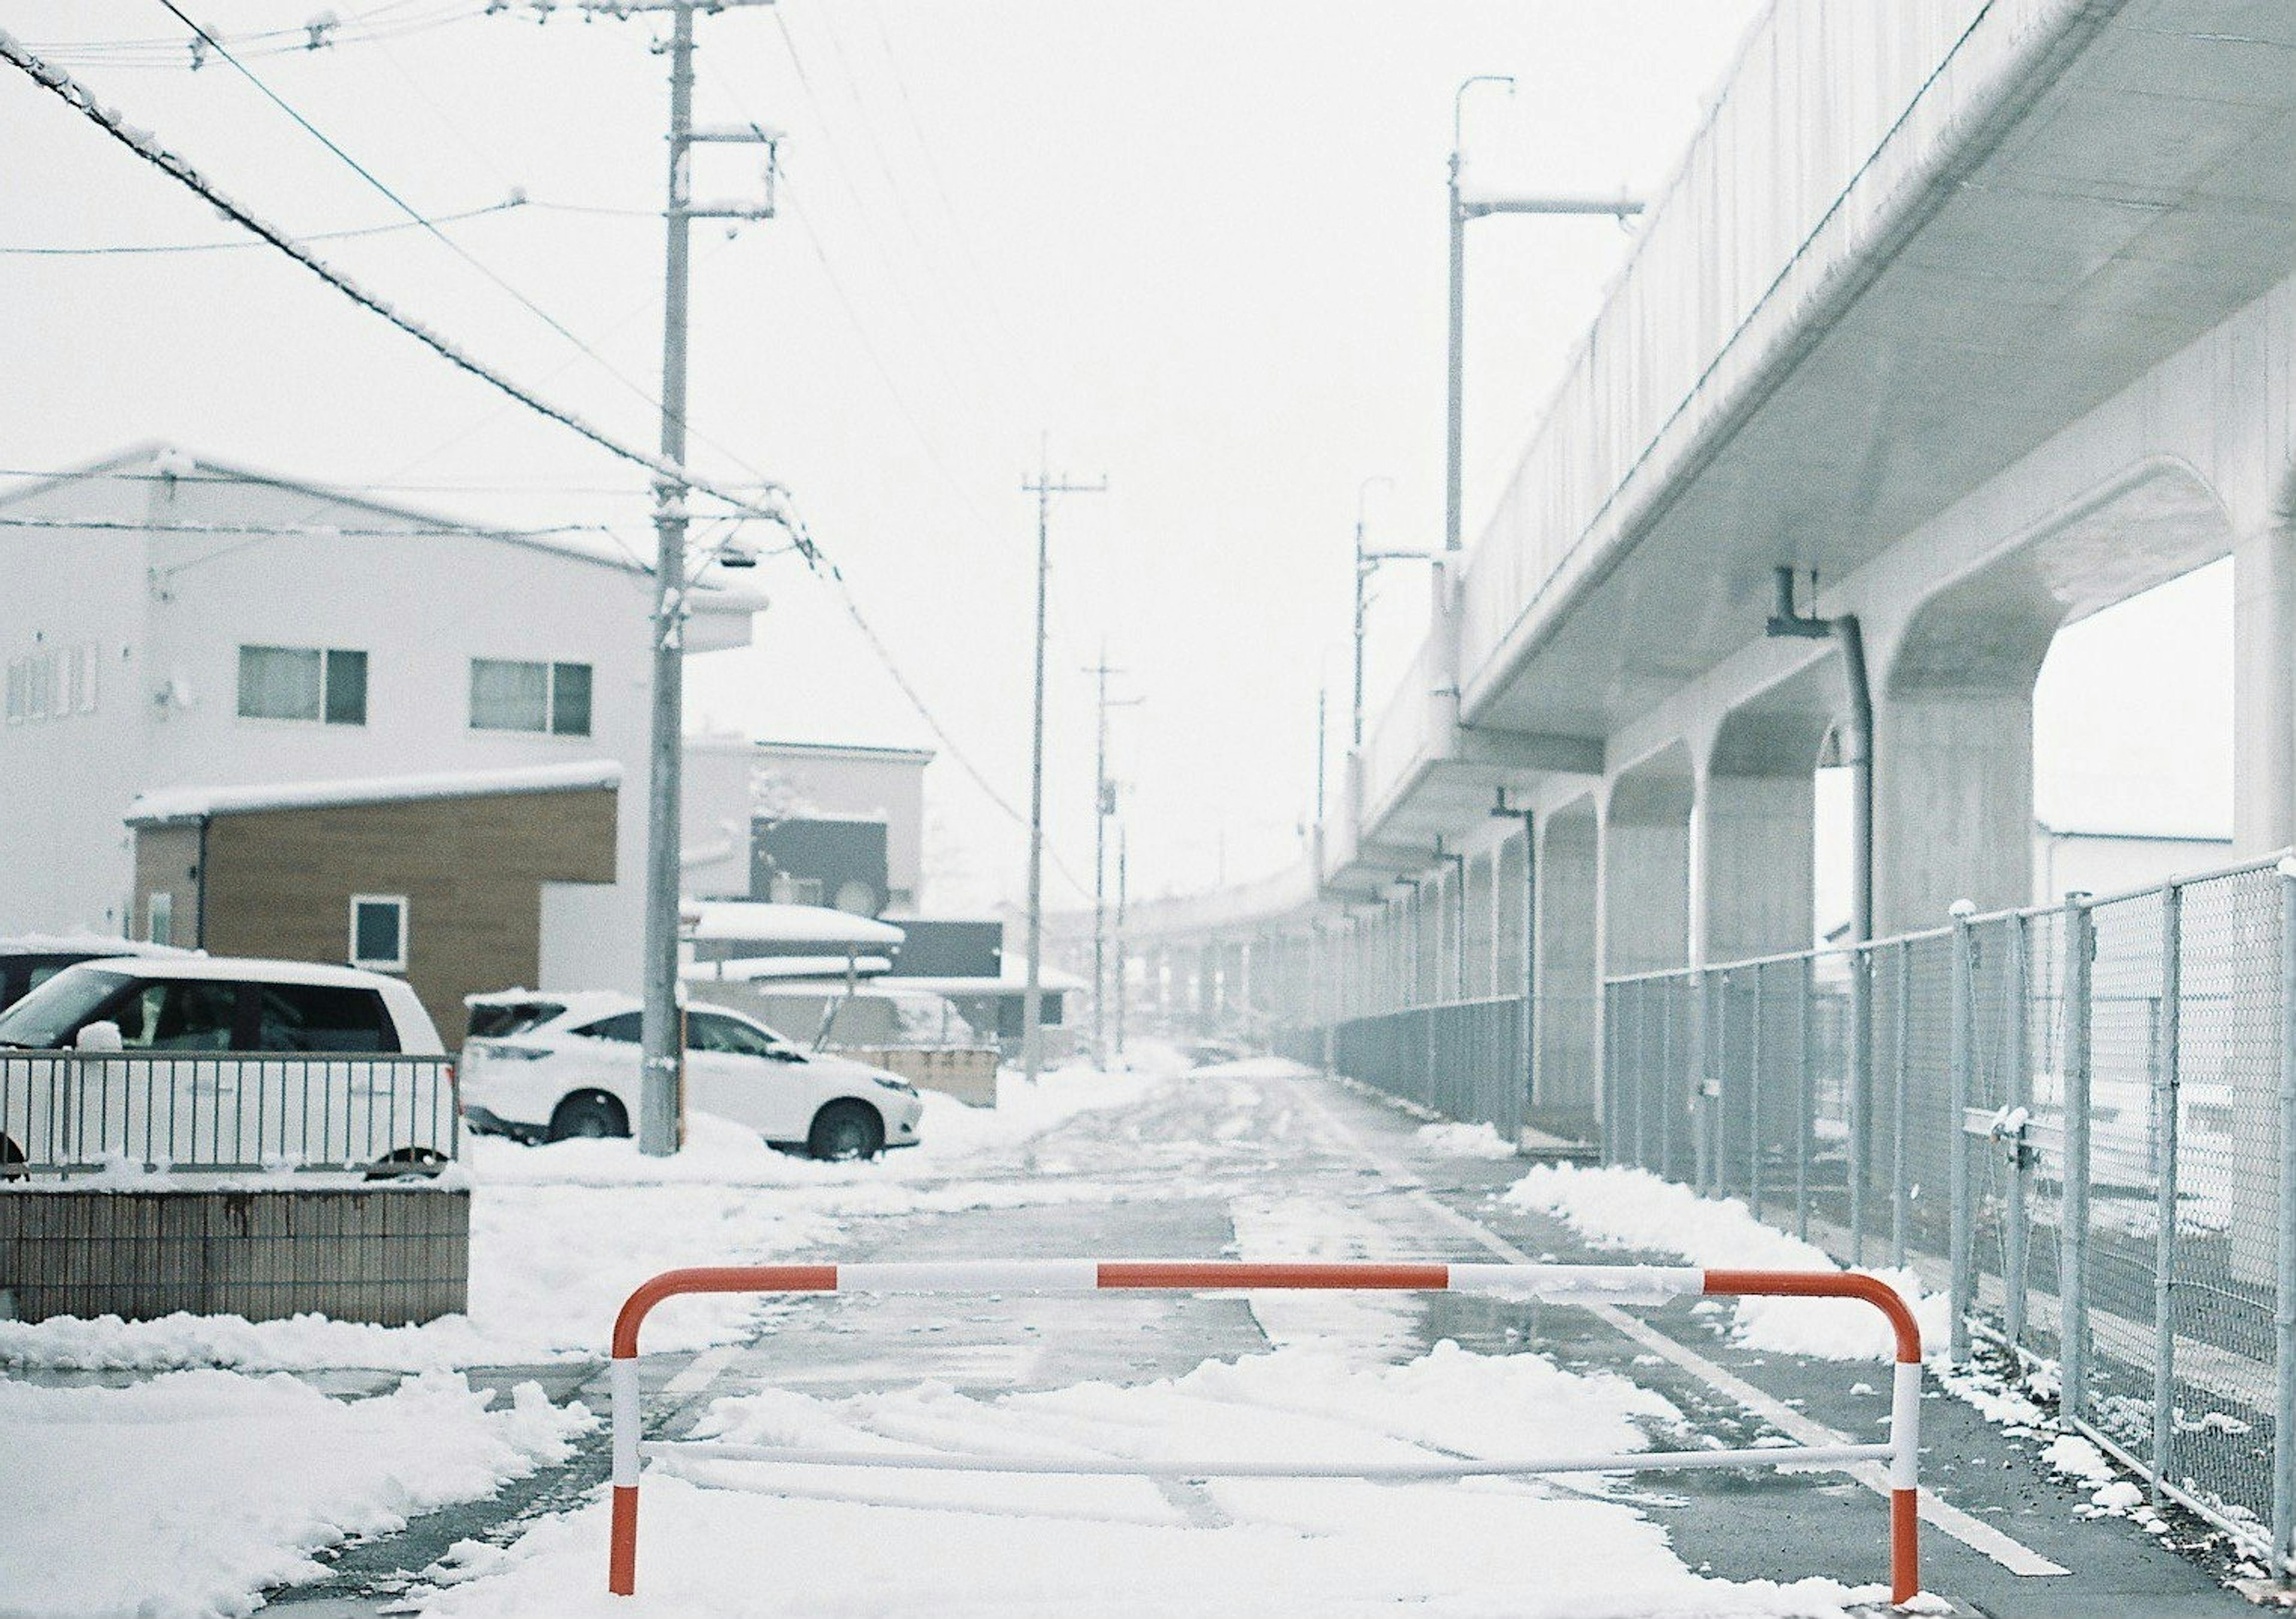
{"points": [[45, 1019]]}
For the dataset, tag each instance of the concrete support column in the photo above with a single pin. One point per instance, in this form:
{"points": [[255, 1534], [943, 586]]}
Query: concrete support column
{"points": [[2264, 691], [1566, 1076], [1645, 865], [1757, 826], [1952, 801]]}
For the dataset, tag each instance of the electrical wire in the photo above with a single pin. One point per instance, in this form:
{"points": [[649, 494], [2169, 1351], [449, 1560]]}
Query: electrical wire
{"points": [[352, 232]]}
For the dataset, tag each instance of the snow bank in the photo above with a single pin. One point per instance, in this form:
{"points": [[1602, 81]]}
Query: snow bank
{"points": [[882, 1542], [1618, 1207], [1465, 1141], [190, 1493], [561, 1234]]}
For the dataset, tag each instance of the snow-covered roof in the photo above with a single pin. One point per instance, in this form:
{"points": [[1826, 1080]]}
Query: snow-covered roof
{"points": [[157, 459], [758, 922], [751, 968], [197, 803], [1010, 983]]}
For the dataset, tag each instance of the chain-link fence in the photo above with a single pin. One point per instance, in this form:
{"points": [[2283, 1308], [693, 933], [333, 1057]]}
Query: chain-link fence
{"points": [[2077, 1121], [1464, 1059]]}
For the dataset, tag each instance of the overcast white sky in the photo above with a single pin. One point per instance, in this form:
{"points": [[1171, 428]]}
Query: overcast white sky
{"points": [[1199, 244]]}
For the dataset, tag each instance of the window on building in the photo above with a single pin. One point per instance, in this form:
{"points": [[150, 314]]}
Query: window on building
{"points": [[379, 931], [159, 917], [509, 695], [303, 683]]}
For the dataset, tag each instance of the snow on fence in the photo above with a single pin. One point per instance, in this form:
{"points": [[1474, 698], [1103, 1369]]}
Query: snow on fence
{"points": [[2080, 1120], [1553, 1283]]}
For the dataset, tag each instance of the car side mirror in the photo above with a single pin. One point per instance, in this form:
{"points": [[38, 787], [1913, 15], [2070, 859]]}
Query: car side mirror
{"points": [[101, 1035]]}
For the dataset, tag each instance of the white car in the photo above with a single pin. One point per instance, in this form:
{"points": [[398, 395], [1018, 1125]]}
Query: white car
{"points": [[220, 1062], [540, 1067]]}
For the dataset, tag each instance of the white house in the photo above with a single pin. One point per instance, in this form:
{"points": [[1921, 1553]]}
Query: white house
{"points": [[169, 621]]}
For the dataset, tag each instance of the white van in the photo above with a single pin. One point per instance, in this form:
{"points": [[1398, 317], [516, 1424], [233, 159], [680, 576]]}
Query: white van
{"points": [[215, 1062]]}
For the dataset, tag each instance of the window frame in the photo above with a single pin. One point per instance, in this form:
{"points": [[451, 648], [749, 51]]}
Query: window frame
{"points": [[376, 964], [321, 714], [554, 673]]}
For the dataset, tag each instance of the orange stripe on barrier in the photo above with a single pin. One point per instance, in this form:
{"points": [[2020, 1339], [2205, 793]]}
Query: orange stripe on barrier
{"points": [[1905, 1546], [1244, 1273], [714, 1278], [622, 1546]]}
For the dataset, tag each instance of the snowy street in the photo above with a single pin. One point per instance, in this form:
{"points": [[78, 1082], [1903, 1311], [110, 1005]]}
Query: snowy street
{"points": [[1254, 1161]]}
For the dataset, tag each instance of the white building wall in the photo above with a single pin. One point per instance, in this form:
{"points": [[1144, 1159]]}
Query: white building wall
{"points": [[176, 606], [854, 781]]}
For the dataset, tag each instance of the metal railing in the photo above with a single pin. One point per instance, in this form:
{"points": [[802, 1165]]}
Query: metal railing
{"points": [[2078, 1120], [68, 1113], [1464, 1059]]}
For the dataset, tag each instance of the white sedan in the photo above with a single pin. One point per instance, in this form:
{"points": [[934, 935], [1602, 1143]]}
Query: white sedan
{"points": [[540, 1067]]}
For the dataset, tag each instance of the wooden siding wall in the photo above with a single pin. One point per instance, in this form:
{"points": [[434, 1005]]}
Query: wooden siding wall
{"points": [[279, 883]]}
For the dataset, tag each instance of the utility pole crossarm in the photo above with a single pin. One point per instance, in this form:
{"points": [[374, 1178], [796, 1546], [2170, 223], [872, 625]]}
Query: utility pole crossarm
{"points": [[1472, 207]]}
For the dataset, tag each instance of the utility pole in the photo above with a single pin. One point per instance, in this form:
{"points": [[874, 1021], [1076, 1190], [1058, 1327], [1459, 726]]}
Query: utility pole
{"points": [[1032, 1000], [1463, 208], [1123, 889], [1367, 563], [1103, 806], [661, 1041]]}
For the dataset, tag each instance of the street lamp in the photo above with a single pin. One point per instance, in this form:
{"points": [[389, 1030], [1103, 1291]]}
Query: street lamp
{"points": [[1464, 208]]}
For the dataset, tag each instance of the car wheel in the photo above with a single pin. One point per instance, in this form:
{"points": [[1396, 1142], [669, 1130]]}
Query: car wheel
{"points": [[407, 1163], [846, 1130], [589, 1115]]}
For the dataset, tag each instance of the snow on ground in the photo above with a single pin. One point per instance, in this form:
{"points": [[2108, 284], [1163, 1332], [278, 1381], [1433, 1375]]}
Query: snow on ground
{"points": [[1257, 1067], [214, 1486], [1465, 1141], [851, 1540], [1620, 1207], [561, 1234]]}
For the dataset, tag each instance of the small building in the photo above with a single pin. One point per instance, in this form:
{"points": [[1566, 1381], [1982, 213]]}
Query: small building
{"points": [[830, 815], [442, 879]]}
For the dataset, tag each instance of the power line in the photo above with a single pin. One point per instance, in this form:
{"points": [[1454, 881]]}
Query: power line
{"points": [[312, 530], [74, 95], [127, 248]]}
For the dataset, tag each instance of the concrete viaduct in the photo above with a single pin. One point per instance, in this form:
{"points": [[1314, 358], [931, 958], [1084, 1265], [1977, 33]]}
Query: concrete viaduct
{"points": [[1981, 309]]}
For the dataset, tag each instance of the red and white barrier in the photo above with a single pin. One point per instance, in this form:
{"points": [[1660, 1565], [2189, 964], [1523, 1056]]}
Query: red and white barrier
{"points": [[1554, 1283]]}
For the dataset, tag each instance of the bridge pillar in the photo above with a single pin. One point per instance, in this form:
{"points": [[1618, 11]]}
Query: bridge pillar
{"points": [[1757, 829], [2264, 691], [1645, 865], [1566, 1079]]}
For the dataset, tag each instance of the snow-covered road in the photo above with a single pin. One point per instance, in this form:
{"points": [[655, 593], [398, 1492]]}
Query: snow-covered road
{"points": [[1254, 1162]]}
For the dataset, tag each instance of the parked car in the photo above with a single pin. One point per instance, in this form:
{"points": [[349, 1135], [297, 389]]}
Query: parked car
{"points": [[29, 961], [549, 1067], [222, 1062]]}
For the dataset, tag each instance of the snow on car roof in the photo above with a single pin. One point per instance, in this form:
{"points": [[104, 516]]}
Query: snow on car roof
{"points": [[197, 803], [259, 969], [758, 922], [82, 944]]}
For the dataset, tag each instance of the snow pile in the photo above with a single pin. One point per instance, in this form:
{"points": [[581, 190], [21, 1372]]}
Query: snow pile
{"points": [[1620, 1207], [1465, 1141], [879, 1540], [190, 1493]]}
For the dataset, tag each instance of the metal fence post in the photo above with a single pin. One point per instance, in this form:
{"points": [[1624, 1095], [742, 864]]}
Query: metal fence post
{"points": [[2017, 1081], [2283, 1306], [1713, 1059], [1858, 1061], [1664, 1093], [1960, 1244], [2165, 1072], [1612, 995], [1642, 1069], [1754, 1103], [1805, 1093], [2072, 1221], [1901, 1185]]}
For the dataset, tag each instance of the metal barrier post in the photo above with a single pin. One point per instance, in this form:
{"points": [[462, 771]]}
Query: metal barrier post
{"points": [[2017, 1078], [1960, 1244], [1663, 1092], [2072, 1222], [2167, 1065], [1711, 1042], [2283, 1308], [1901, 1185], [1805, 1096]]}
